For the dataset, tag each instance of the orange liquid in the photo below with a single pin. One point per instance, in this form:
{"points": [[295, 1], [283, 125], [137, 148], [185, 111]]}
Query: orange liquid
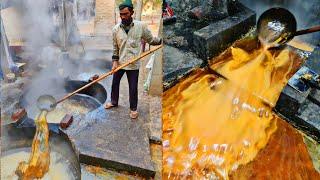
{"points": [[212, 126], [38, 164]]}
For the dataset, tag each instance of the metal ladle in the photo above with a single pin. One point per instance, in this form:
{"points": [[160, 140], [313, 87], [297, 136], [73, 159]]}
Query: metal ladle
{"points": [[277, 26], [46, 103], [49, 103]]}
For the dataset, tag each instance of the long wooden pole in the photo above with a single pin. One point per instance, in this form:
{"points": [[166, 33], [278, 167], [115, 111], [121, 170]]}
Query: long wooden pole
{"points": [[103, 76], [306, 31]]}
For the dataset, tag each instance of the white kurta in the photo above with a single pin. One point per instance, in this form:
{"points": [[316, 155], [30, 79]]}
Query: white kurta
{"points": [[127, 46]]}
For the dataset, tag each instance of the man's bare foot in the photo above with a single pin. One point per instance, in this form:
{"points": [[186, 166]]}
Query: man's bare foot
{"points": [[109, 106], [134, 114]]}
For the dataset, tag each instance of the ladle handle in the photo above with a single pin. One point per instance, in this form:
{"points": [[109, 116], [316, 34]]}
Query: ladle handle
{"points": [[307, 31], [109, 73]]}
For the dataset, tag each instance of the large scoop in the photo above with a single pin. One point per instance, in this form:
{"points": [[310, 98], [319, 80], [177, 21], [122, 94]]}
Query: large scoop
{"points": [[46, 103], [277, 26]]}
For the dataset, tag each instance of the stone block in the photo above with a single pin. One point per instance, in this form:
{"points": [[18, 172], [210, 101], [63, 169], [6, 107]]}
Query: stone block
{"points": [[302, 109], [218, 36], [313, 60], [290, 101], [178, 64], [19, 114], [66, 121], [110, 139]]}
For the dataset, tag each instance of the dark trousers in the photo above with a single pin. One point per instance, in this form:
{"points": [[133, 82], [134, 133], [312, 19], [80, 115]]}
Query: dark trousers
{"points": [[164, 5], [132, 76]]}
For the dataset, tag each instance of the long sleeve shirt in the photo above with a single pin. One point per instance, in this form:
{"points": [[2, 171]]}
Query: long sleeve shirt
{"points": [[128, 45]]}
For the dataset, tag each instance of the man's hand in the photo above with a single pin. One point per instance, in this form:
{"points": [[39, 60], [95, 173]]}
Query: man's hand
{"points": [[94, 77], [115, 64], [160, 41]]}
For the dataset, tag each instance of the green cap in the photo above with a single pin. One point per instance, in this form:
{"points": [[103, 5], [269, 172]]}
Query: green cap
{"points": [[126, 3]]}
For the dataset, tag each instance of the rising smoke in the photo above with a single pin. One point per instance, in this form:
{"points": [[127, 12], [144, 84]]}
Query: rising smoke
{"points": [[44, 51]]}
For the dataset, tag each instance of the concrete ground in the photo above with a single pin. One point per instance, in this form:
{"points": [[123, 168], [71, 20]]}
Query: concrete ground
{"points": [[96, 40]]}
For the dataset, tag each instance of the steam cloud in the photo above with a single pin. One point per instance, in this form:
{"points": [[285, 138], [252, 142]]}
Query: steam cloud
{"points": [[43, 49]]}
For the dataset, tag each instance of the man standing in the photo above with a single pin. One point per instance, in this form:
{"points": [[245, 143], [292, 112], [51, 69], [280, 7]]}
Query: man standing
{"points": [[127, 37]]}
